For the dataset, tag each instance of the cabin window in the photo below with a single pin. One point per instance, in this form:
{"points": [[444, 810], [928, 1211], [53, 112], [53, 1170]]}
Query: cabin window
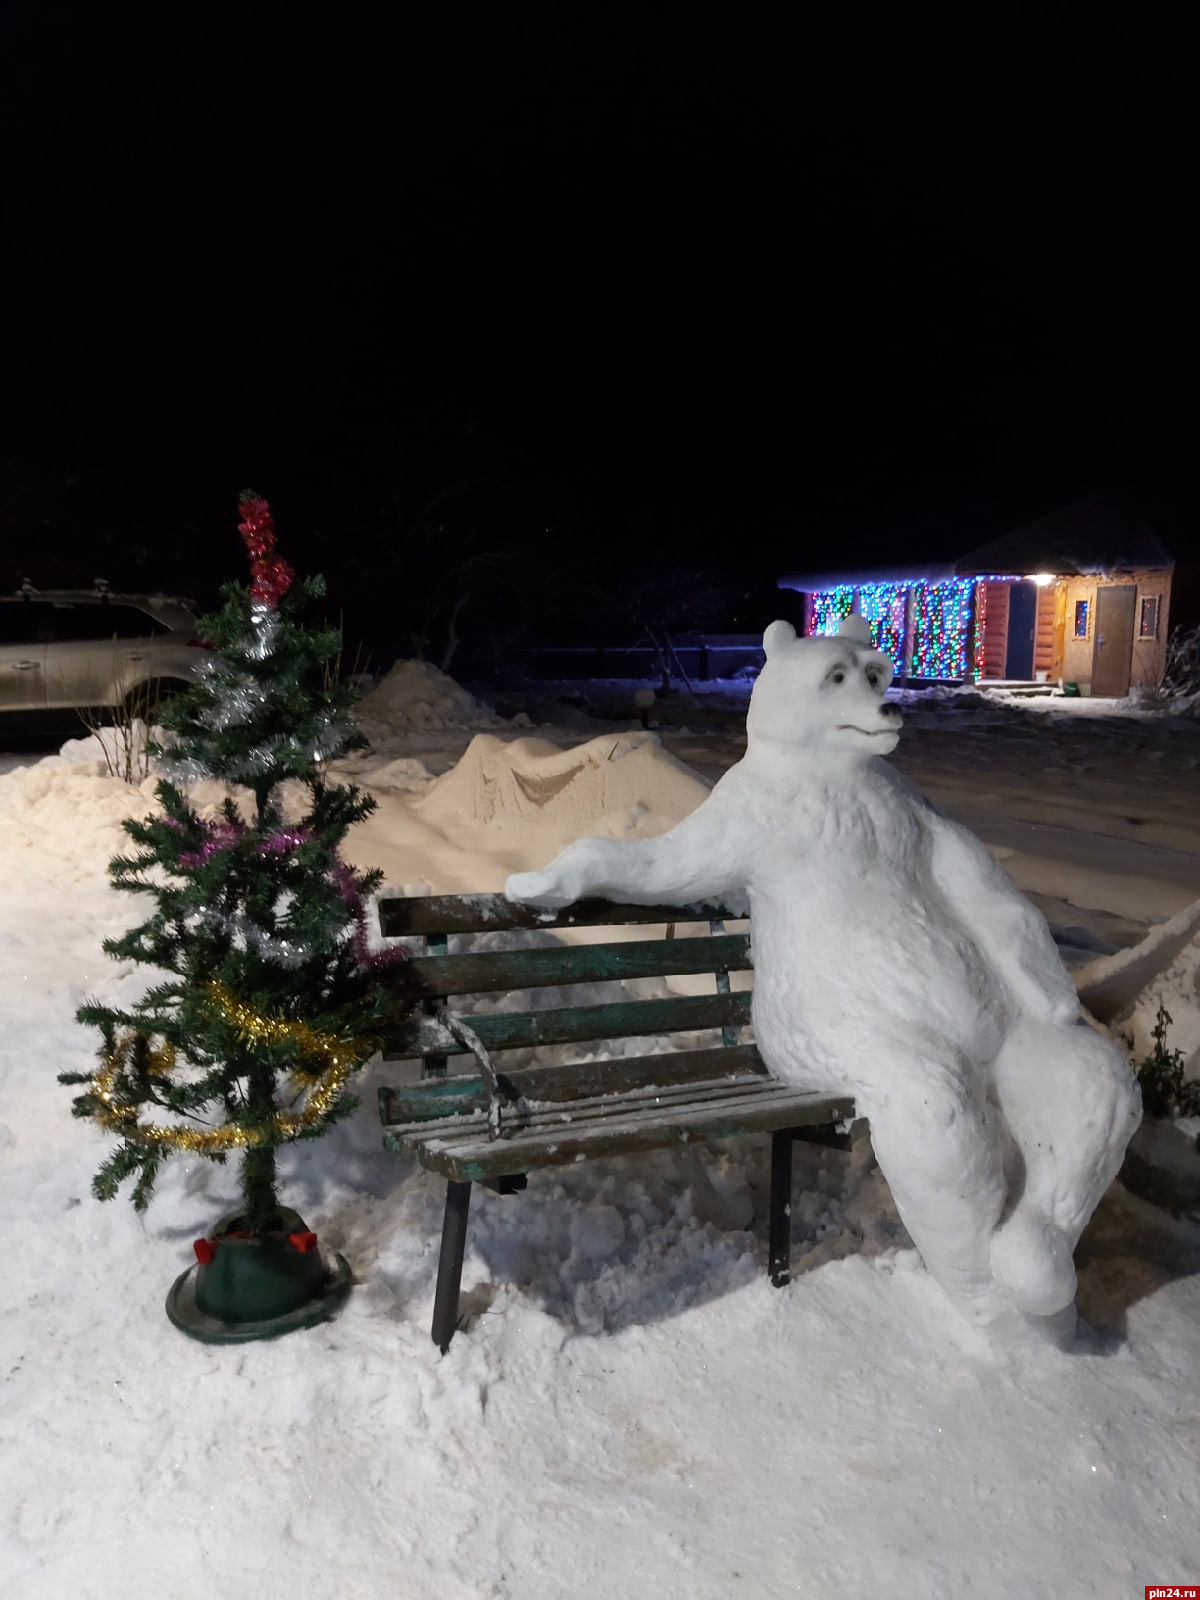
{"points": [[1082, 609], [1148, 626]]}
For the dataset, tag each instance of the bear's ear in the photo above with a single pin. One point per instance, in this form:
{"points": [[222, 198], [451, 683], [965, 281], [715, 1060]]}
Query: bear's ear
{"points": [[777, 637], [856, 628]]}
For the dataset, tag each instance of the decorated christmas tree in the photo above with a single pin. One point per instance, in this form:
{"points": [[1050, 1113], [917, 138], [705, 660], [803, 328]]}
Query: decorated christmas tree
{"points": [[267, 997]]}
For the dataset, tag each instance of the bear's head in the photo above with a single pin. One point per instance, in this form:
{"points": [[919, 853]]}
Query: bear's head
{"points": [[824, 694]]}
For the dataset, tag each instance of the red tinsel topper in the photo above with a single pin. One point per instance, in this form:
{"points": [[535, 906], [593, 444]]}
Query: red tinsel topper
{"points": [[270, 575]]}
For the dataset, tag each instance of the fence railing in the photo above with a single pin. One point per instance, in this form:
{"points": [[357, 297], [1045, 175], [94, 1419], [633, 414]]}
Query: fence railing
{"points": [[720, 656]]}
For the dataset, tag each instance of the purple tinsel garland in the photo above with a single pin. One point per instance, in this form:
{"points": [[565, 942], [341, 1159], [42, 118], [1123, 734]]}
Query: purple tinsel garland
{"points": [[224, 835], [221, 836], [286, 839]]}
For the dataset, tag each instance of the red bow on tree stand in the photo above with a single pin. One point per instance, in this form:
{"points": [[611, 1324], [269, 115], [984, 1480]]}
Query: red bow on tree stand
{"points": [[270, 575]]}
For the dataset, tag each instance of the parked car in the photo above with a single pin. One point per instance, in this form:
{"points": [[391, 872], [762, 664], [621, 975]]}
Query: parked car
{"points": [[66, 651]]}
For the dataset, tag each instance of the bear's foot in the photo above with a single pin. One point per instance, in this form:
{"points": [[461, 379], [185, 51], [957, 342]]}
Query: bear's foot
{"points": [[1058, 1329], [1032, 1261], [1006, 1328]]}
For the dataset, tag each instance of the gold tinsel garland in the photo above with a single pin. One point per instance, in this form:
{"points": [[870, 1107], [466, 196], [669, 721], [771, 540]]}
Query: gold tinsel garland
{"points": [[333, 1060]]}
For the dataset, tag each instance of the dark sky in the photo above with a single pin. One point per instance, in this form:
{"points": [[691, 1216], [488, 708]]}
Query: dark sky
{"points": [[776, 288]]}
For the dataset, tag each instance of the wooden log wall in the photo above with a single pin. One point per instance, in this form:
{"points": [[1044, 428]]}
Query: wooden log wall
{"points": [[995, 628], [1043, 636]]}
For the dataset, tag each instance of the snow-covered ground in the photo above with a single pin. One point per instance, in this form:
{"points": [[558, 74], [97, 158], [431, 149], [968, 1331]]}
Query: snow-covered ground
{"points": [[633, 1410]]}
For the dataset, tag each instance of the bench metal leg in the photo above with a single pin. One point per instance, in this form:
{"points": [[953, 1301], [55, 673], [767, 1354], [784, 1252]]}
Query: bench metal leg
{"points": [[450, 1263], [824, 1134], [779, 1247]]}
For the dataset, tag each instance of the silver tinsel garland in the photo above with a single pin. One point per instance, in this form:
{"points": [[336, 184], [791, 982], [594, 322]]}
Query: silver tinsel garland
{"points": [[280, 952], [266, 625]]}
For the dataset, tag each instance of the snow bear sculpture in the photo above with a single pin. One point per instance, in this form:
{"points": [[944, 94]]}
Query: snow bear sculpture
{"points": [[894, 958]]}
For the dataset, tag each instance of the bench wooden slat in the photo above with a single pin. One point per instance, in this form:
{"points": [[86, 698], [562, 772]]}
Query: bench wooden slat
{"points": [[485, 972], [659, 1098], [465, 1154], [635, 1108], [511, 1030], [492, 913], [432, 1098]]}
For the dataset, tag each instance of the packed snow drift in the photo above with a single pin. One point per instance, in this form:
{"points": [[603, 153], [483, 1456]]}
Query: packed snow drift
{"points": [[633, 1409]]}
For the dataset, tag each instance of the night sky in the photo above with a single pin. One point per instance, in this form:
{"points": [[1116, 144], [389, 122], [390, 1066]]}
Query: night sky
{"points": [[556, 310]]}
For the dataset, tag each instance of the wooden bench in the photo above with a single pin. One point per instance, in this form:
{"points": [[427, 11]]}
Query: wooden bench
{"points": [[492, 1126]]}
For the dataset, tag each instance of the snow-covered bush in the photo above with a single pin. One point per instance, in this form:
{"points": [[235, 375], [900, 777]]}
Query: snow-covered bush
{"points": [[1165, 1091], [1181, 676]]}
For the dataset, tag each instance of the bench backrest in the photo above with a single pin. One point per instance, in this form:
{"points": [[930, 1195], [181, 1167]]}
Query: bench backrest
{"points": [[436, 974]]}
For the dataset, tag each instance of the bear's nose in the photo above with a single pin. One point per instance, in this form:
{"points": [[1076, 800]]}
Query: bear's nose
{"points": [[891, 713]]}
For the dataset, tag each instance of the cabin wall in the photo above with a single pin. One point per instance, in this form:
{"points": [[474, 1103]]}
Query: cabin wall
{"points": [[1043, 634], [1078, 649], [994, 597], [1149, 657]]}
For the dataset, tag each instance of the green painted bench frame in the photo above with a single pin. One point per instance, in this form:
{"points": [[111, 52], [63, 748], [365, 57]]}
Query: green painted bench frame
{"points": [[494, 1127]]}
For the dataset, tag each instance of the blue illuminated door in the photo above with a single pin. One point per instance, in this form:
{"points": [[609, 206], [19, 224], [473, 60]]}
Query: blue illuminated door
{"points": [[1022, 620]]}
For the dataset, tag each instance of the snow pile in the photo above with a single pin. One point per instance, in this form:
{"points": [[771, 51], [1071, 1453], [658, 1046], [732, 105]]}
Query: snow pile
{"points": [[1125, 990], [513, 804], [416, 696], [120, 749], [619, 785], [61, 799]]}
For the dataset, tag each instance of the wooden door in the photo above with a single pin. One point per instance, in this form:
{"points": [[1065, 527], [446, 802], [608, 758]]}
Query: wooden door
{"points": [[1022, 620], [1112, 654]]}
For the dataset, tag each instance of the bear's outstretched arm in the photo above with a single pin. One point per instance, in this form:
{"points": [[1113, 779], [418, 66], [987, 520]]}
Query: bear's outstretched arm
{"points": [[1012, 934], [701, 858]]}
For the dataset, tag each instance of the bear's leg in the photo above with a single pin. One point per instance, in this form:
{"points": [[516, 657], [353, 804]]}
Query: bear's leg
{"points": [[940, 1146], [1071, 1103]]}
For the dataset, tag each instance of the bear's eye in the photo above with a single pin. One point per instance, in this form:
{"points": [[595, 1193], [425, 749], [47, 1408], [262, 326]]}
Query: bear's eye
{"points": [[873, 677], [837, 676]]}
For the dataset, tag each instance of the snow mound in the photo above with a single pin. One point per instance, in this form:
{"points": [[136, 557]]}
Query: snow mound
{"points": [[1126, 989], [510, 805], [403, 772], [78, 799], [118, 750], [618, 786], [417, 696]]}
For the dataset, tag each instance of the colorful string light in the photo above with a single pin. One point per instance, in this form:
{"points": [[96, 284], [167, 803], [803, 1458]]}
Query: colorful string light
{"points": [[885, 607], [949, 620], [829, 607], [942, 629]]}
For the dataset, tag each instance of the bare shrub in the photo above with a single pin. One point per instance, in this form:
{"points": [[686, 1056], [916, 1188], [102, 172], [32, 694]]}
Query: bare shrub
{"points": [[123, 732]]}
